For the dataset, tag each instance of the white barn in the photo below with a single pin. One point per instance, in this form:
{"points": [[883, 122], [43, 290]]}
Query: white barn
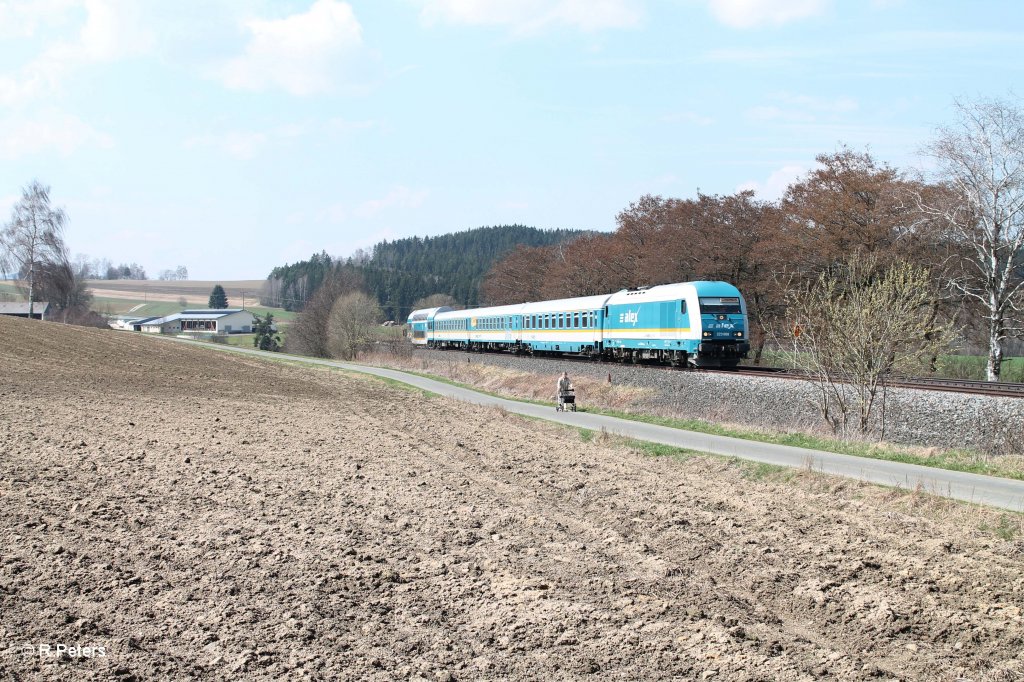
{"points": [[201, 321]]}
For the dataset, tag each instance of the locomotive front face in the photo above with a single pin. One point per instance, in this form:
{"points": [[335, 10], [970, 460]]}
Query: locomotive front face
{"points": [[723, 331]]}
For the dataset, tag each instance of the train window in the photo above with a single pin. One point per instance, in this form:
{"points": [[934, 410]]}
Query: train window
{"points": [[586, 320], [720, 305], [576, 320], [682, 307]]}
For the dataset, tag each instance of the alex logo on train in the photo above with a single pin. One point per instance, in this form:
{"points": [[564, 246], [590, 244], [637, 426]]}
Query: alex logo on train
{"points": [[629, 317]]}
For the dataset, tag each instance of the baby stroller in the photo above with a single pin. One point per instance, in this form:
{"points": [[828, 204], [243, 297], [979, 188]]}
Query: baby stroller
{"points": [[566, 400]]}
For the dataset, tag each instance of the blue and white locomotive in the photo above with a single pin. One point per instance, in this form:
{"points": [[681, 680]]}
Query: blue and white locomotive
{"points": [[700, 324]]}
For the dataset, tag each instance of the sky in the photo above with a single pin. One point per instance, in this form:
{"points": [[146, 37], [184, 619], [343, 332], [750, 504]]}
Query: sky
{"points": [[231, 136]]}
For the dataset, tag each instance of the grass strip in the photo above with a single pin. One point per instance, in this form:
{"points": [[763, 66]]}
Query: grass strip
{"points": [[951, 460]]}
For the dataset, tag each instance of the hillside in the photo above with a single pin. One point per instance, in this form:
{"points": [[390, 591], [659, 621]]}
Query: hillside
{"points": [[200, 515], [400, 272]]}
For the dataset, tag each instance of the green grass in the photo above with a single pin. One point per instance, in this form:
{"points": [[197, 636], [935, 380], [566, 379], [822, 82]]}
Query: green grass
{"points": [[973, 367], [949, 366], [951, 460], [142, 308], [1008, 527], [662, 450], [754, 471], [762, 471], [9, 289]]}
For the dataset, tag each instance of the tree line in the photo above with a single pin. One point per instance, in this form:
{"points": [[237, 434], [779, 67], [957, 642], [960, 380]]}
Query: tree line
{"points": [[400, 272], [964, 225]]}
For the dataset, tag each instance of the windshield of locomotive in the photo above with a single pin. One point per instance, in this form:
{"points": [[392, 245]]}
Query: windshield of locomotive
{"points": [[720, 305]]}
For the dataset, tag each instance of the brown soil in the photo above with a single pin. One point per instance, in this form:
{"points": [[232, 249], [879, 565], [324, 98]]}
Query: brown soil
{"points": [[203, 515]]}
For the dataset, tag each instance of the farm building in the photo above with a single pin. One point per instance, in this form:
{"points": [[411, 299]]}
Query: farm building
{"points": [[202, 321], [39, 309]]}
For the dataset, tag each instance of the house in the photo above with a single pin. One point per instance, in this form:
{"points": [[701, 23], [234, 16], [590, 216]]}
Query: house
{"points": [[201, 321], [39, 309]]}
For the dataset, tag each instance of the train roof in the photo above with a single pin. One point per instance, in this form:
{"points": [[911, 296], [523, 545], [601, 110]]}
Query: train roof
{"points": [[672, 292], [481, 312], [579, 303], [426, 313]]}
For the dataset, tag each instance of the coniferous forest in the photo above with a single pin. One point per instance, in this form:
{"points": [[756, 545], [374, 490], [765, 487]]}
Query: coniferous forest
{"points": [[400, 272]]}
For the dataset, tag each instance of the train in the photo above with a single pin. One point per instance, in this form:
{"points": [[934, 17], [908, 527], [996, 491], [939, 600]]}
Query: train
{"points": [[687, 324]]}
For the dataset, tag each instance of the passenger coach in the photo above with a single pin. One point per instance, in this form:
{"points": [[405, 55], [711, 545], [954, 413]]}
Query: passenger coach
{"points": [[702, 324]]}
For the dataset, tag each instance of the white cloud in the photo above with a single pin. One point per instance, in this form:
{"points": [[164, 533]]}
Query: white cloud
{"points": [[298, 54], [248, 144], [755, 13], [399, 197], [801, 108], [343, 126], [688, 117], [26, 18], [112, 30], [241, 145], [775, 186], [50, 131], [532, 16]]}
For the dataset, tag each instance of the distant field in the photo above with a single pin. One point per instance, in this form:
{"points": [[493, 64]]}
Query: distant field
{"points": [[195, 292], [147, 298], [155, 297]]}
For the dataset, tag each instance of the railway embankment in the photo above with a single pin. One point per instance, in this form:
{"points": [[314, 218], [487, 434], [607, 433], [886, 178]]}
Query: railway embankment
{"points": [[928, 419]]}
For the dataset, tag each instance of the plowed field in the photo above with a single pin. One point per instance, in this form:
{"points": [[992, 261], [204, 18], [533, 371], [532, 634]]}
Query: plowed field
{"points": [[195, 514]]}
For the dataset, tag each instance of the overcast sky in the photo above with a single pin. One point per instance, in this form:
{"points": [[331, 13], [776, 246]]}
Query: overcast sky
{"points": [[232, 136]]}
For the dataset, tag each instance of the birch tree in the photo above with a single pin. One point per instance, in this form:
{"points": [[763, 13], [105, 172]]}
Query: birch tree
{"points": [[34, 237], [981, 161]]}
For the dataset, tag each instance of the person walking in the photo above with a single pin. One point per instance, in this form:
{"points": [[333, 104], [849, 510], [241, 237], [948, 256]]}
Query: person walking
{"points": [[564, 388]]}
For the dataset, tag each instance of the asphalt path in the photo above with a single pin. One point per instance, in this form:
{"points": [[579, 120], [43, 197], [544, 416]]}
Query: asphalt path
{"points": [[988, 490]]}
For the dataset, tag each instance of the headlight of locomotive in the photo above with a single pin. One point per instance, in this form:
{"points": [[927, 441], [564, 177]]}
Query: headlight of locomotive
{"points": [[739, 335], [707, 334]]}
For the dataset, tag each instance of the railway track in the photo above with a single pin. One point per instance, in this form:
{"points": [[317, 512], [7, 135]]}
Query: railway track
{"points": [[997, 389]]}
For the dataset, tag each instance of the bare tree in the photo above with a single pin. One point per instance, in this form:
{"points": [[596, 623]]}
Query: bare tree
{"points": [[436, 301], [35, 235], [352, 324], [854, 326], [308, 334], [981, 161]]}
